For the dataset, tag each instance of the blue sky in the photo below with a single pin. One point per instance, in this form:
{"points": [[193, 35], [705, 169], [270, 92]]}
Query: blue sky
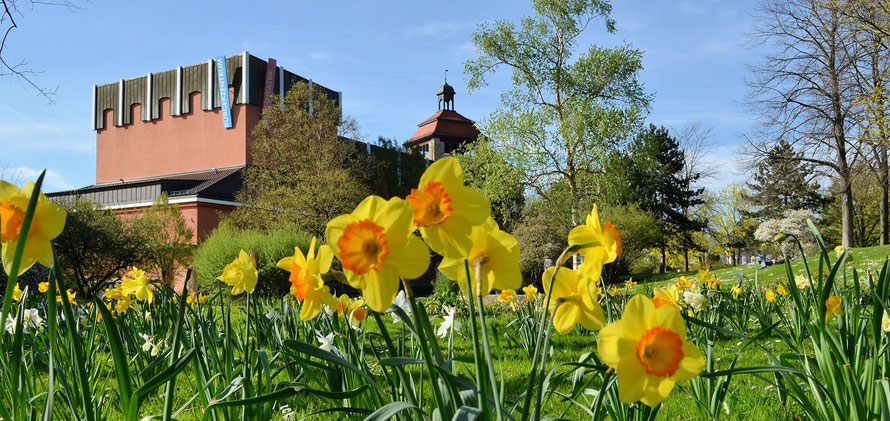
{"points": [[388, 58]]}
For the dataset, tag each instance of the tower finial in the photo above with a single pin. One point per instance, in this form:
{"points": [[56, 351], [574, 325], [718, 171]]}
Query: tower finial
{"points": [[446, 75]]}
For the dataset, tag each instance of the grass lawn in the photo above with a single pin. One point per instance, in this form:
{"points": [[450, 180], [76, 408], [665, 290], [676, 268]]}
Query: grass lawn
{"points": [[865, 259]]}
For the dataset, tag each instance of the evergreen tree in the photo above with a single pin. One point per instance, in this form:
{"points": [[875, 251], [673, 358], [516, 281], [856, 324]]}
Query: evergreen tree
{"points": [[655, 165], [782, 181]]}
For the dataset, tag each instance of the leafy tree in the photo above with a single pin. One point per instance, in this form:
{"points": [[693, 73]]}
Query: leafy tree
{"points": [[731, 225], [782, 180], [640, 232], [657, 173], [498, 180], [167, 238], [97, 245], [540, 242], [305, 169], [569, 109], [867, 207]]}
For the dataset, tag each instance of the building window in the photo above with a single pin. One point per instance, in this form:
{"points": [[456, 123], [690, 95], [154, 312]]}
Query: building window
{"points": [[450, 147], [424, 149]]}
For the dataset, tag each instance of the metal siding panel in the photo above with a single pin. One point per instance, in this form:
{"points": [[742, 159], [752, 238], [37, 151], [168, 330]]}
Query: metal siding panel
{"points": [[162, 86], [233, 68], [134, 93], [106, 99], [194, 78]]}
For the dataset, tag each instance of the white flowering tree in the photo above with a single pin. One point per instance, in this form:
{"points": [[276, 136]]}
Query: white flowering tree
{"points": [[793, 222]]}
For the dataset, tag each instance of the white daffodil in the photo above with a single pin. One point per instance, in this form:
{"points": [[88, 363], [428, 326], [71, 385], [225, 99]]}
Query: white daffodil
{"points": [[31, 320], [695, 300], [272, 315], [449, 322], [150, 346], [402, 302], [326, 342], [10, 325], [801, 282]]}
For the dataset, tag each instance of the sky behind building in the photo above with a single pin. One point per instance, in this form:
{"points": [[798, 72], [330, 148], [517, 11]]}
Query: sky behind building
{"points": [[388, 59]]}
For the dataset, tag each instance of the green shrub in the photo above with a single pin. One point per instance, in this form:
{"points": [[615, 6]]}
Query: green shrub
{"points": [[224, 243]]}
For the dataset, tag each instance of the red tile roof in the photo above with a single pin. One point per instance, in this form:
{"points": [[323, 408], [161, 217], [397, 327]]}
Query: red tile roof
{"points": [[445, 124]]}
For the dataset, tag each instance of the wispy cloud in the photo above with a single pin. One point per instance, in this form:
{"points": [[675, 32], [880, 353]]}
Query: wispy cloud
{"points": [[19, 131], [52, 181]]}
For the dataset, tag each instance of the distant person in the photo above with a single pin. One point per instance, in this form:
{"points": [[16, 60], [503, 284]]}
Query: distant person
{"points": [[761, 259]]}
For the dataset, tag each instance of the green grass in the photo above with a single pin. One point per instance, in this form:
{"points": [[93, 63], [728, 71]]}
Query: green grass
{"points": [[865, 259]]}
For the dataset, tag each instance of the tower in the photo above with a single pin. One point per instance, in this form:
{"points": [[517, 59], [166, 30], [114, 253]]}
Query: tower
{"points": [[445, 131]]}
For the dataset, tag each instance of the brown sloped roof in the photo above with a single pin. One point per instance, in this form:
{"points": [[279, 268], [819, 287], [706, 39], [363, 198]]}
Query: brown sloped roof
{"points": [[445, 124]]}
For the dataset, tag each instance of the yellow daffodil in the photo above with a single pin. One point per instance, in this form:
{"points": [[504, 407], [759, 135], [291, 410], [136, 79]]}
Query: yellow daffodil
{"points": [[770, 295], [833, 306], [735, 290], [507, 296], [648, 349], [885, 322], [137, 285], [191, 299], [353, 309], [604, 243], [780, 289], [71, 296], [241, 274], [839, 251], [630, 283], [614, 291], [376, 246], [305, 278], [683, 283], [531, 292], [494, 255], [706, 278], [572, 301], [666, 296], [122, 304], [43, 287], [201, 298], [47, 224], [17, 292], [446, 210]]}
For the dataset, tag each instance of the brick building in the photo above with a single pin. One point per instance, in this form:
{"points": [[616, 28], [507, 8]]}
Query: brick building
{"points": [[172, 132]]}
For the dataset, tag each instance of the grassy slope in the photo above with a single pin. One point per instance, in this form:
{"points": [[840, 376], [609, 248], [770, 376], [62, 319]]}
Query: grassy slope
{"points": [[865, 258]]}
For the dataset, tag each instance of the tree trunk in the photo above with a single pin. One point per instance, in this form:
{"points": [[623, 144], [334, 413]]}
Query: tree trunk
{"points": [[847, 213], [884, 177], [686, 258]]}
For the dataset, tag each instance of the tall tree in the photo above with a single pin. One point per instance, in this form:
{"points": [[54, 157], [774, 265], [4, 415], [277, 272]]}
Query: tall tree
{"points": [[568, 108], [497, 179], [656, 170], [872, 72], [803, 89], [731, 224], [782, 180], [305, 170]]}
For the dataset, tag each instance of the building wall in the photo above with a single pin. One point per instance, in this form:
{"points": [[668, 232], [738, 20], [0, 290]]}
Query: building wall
{"points": [[200, 217], [173, 144]]}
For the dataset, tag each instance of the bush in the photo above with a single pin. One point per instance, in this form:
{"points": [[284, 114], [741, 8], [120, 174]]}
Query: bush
{"points": [[639, 233], [224, 243]]}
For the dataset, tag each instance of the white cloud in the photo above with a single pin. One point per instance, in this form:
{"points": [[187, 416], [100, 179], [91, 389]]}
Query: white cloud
{"points": [[52, 181]]}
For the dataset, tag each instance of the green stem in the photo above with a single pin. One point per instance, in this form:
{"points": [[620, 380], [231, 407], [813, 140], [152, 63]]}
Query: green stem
{"points": [[479, 367], [540, 394], [487, 350]]}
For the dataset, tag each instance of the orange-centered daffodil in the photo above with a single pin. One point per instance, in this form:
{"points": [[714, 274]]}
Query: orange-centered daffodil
{"points": [[376, 246], [352, 309], [446, 210], [649, 351], [305, 278], [603, 243], [47, 224], [572, 300], [494, 255]]}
